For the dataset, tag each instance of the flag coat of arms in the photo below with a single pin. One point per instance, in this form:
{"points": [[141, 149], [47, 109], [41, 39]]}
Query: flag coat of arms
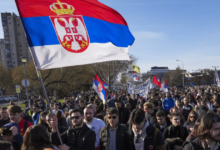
{"points": [[99, 88], [73, 32]]}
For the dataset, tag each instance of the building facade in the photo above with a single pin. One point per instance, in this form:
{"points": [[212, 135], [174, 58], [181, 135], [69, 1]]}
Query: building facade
{"points": [[2, 51], [14, 39]]}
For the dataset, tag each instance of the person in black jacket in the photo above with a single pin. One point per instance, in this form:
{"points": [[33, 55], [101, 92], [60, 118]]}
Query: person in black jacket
{"points": [[150, 112], [162, 121], [202, 109], [114, 136], [143, 135], [79, 137], [123, 112], [4, 117], [131, 102], [175, 132], [208, 134], [52, 121]]}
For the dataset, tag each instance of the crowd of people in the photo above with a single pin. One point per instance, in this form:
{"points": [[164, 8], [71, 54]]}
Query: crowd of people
{"points": [[182, 119]]}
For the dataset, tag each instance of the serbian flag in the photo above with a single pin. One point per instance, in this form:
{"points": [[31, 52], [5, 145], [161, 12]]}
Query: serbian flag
{"points": [[155, 81], [165, 86], [99, 88], [158, 78], [73, 32]]}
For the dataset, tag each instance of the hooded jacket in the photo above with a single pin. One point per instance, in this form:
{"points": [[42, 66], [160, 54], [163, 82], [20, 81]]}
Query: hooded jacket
{"points": [[18, 139]]}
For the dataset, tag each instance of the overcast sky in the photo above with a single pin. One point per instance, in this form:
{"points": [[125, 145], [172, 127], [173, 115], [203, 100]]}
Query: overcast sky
{"points": [[166, 30]]}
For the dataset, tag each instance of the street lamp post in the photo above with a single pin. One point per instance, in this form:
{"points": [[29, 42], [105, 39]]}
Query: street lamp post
{"points": [[183, 70], [214, 72], [24, 60]]}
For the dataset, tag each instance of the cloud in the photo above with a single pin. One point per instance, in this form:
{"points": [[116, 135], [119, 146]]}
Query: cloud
{"points": [[148, 35]]}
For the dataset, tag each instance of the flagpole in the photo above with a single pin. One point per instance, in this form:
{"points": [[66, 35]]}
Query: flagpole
{"points": [[45, 94], [114, 72]]}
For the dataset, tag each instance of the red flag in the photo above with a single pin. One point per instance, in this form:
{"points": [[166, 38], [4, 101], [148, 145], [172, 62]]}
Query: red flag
{"points": [[155, 81]]}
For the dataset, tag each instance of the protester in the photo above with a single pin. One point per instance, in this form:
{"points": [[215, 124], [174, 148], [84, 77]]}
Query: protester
{"points": [[52, 122], [36, 138], [93, 123], [162, 122], [193, 135], [175, 134], [111, 102], [56, 108], [190, 122], [10, 133], [186, 107], [202, 109], [78, 137], [131, 102], [168, 102], [36, 114], [150, 113], [123, 113], [208, 134], [142, 133], [61, 120], [15, 114], [6, 145], [42, 119], [114, 136], [4, 117]]}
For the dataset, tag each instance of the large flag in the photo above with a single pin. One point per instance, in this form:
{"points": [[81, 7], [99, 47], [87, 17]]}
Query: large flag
{"points": [[99, 88], [217, 78], [105, 85], [73, 32], [156, 81]]}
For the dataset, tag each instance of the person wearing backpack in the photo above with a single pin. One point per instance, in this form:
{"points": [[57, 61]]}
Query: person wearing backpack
{"points": [[15, 113], [175, 134], [143, 135]]}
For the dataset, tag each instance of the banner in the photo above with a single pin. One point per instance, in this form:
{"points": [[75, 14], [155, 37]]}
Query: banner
{"points": [[141, 89], [217, 78]]}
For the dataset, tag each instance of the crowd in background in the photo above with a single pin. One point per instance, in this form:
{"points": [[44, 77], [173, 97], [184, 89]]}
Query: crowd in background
{"points": [[182, 119]]}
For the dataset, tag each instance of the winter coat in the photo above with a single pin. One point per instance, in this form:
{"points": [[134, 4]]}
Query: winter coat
{"points": [[122, 139]]}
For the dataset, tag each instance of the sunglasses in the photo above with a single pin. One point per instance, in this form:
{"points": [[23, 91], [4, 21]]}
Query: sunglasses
{"points": [[113, 117], [192, 117], [74, 117]]}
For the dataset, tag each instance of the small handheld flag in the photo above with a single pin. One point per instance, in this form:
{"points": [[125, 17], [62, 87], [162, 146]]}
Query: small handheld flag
{"points": [[99, 88]]}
